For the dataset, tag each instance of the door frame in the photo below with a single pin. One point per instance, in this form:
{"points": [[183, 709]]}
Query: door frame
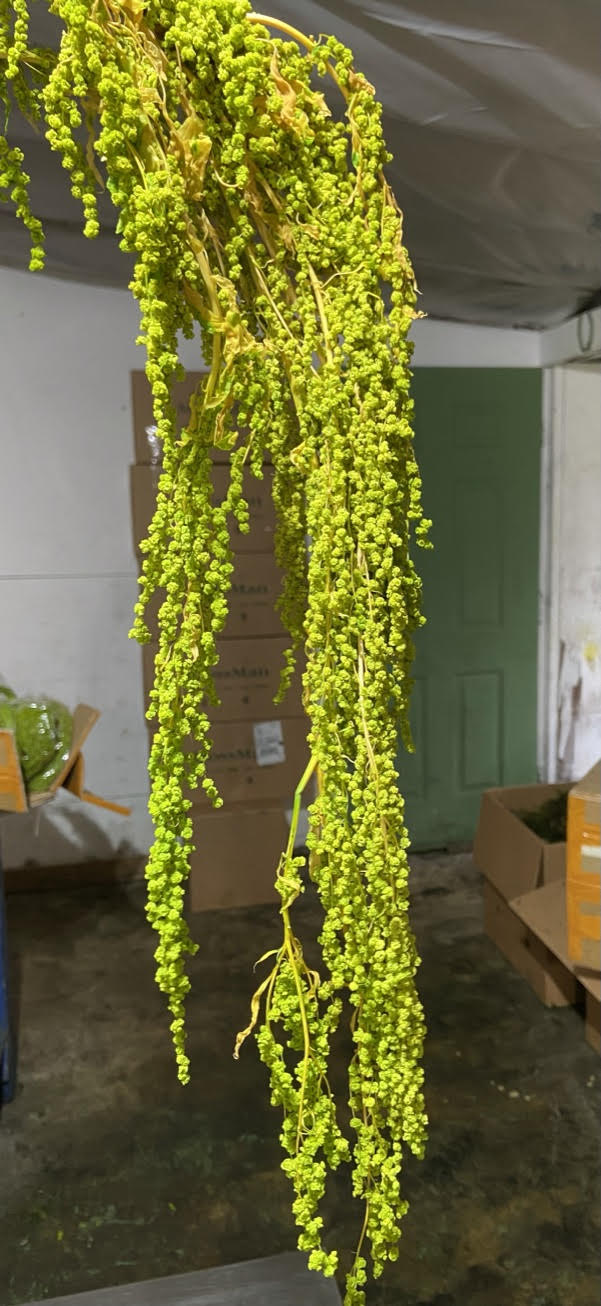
{"points": [[577, 341]]}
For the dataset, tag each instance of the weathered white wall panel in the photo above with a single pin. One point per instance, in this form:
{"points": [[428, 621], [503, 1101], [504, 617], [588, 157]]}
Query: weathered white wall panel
{"points": [[571, 665]]}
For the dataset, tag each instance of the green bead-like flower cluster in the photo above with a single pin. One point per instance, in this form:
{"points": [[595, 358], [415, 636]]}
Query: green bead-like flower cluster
{"points": [[18, 76], [258, 214]]}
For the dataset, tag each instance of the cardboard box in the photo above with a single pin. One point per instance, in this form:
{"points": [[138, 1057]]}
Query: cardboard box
{"points": [[237, 856], [255, 589], [583, 883], [13, 796], [555, 985], [258, 493], [246, 677], [543, 914], [259, 761], [147, 448], [525, 899], [510, 855]]}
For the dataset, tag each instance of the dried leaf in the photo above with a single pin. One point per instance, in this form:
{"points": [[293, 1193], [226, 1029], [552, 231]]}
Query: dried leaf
{"points": [[291, 116], [255, 1007], [195, 147], [271, 953], [135, 9]]}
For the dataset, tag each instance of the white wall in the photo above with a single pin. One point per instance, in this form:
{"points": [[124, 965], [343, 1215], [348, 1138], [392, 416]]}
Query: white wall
{"points": [[67, 568], [458, 344], [571, 557]]}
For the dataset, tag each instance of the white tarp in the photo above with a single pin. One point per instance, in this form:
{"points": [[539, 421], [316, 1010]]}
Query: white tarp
{"points": [[493, 115]]}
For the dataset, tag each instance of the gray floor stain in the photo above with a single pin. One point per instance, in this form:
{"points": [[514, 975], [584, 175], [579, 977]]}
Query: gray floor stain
{"points": [[110, 1172]]}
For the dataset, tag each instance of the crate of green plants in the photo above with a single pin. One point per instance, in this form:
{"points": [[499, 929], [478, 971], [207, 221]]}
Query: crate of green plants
{"points": [[41, 743]]}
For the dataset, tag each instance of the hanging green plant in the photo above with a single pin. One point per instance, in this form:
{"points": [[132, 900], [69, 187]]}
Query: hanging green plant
{"points": [[258, 212]]}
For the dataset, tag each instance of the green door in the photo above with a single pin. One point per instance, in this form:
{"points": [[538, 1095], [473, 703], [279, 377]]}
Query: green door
{"points": [[478, 434]]}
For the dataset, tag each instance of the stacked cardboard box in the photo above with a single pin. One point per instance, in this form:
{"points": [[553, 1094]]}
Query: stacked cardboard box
{"points": [[525, 900], [259, 751]]}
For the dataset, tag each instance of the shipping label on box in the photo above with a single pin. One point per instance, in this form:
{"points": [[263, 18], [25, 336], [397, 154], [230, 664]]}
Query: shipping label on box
{"points": [[269, 743], [246, 678], [237, 771], [257, 491], [243, 777]]}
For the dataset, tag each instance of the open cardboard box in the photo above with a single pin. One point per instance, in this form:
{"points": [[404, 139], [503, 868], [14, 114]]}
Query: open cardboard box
{"points": [[511, 856], [13, 795], [525, 899]]}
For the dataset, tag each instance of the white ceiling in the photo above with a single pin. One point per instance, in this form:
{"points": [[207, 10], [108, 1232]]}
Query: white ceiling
{"points": [[492, 112]]}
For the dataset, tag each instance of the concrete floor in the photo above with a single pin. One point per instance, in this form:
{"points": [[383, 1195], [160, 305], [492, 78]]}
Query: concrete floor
{"points": [[110, 1172]]}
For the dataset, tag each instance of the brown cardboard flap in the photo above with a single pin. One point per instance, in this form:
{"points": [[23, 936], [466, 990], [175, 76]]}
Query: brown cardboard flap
{"points": [[554, 862], [505, 850], [509, 854], [237, 856], [84, 718], [544, 912], [12, 790], [74, 782], [527, 798]]}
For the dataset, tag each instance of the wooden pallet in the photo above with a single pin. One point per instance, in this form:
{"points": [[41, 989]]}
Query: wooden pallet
{"points": [[276, 1281]]}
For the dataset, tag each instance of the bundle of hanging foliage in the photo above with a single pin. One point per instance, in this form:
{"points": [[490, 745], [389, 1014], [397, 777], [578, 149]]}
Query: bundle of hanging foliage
{"points": [[258, 211]]}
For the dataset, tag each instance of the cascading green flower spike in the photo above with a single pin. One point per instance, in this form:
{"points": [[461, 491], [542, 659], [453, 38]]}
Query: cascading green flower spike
{"points": [[258, 214]]}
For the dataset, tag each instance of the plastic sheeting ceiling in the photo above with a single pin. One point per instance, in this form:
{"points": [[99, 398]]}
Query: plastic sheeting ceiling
{"points": [[493, 114]]}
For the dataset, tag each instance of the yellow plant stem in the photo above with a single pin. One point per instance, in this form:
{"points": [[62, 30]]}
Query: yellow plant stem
{"points": [[280, 26], [292, 950]]}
